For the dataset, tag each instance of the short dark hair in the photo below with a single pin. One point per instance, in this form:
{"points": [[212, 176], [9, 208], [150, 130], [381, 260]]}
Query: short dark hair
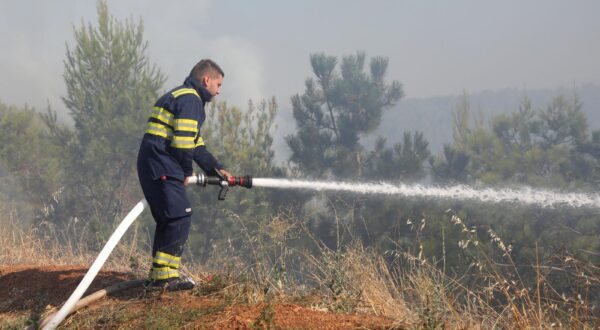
{"points": [[206, 67]]}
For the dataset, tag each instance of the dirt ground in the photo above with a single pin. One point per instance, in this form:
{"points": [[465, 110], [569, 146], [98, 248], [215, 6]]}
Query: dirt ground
{"points": [[28, 292]]}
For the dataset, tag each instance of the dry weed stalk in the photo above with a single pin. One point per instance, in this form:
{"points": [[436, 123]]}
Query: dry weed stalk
{"points": [[406, 287], [529, 307], [32, 245]]}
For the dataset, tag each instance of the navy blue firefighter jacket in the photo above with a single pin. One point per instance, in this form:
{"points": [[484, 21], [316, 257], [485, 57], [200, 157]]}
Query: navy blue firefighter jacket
{"points": [[172, 137]]}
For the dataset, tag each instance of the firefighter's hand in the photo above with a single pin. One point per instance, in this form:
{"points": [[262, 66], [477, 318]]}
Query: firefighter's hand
{"points": [[226, 174], [186, 181]]}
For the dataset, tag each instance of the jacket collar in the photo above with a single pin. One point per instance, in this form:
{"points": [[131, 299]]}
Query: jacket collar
{"points": [[197, 85]]}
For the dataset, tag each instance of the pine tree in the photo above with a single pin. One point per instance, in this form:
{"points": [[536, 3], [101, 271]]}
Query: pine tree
{"points": [[336, 110], [111, 87], [242, 141], [30, 167]]}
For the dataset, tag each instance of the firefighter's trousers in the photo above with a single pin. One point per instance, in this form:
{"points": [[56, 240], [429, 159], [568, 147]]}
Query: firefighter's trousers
{"points": [[172, 213]]}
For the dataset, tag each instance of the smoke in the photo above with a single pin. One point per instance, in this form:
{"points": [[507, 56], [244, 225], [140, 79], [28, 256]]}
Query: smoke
{"points": [[178, 37], [31, 59], [244, 70], [181, 35]]}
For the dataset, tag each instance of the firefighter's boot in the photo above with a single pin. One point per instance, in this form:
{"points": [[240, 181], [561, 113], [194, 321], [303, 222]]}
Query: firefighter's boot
{"points": [[180, 283]]}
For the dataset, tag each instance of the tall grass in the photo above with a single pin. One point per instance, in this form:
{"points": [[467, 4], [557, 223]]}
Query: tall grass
{"points": [[413, 290], [271, 262], [45, 245]]}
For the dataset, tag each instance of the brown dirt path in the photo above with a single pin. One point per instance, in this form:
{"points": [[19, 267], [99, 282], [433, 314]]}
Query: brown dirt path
{"points": [[27, 291]]}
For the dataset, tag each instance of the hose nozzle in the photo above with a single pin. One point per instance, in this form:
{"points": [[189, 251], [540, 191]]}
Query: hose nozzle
{"points": [[202, 180], [242, 181]]}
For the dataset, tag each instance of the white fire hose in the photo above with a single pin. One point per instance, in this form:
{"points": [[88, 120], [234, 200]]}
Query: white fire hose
{"points": [[199, 179], [91, 274]]}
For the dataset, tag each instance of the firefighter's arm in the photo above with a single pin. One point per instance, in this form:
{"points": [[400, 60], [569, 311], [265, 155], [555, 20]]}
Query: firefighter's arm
{"points": [[208, 163], [205, 159]]}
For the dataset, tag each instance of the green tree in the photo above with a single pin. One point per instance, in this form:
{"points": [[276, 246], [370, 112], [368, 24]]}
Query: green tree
{"points": [[243, 139], [336, 110], [243, 142], [450, 166], [110, 88], [548, 148], [525, 147], [404, 160], [586, 161], [563, 122], [342, 105], [30, 166]]}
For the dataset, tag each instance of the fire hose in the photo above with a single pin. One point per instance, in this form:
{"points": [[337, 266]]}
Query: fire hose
{"points": [[200, 180]]}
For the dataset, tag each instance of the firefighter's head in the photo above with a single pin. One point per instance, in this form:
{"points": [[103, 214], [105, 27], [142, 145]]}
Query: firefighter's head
{"points": [[210, 75]]}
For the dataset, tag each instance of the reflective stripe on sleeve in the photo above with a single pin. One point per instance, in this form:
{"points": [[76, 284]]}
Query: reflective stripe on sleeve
{"points": [[163, 115], [200, 142], [183, 142]]}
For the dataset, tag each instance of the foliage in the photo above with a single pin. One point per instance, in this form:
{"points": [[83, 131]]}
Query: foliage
{"points": [[242, 141], [336, 110], [404, 160], [527, 147], [30, 166], [341, 106], [548, 148], [110, 88]]}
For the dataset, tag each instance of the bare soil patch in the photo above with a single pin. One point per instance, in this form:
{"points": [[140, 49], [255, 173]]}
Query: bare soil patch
{"points": [[29, 291]]}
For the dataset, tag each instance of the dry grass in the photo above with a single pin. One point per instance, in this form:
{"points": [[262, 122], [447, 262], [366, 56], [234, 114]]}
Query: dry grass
{"points": [[539, 305], [359, 280], [31, 245], [351, 278], [493, 294]]}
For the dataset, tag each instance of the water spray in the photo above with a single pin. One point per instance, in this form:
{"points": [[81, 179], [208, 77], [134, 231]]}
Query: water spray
{"points": [[518, 195]]}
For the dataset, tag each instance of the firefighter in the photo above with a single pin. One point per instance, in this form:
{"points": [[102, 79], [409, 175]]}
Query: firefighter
{"points": [[171, 142]]}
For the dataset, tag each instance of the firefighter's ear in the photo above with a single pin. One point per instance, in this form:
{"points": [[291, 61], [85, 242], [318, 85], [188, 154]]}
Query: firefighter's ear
{"points": [[205, 80]]}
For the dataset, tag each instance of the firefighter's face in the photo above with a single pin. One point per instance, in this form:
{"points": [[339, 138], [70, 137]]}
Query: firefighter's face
{"points": [[213, 84]]}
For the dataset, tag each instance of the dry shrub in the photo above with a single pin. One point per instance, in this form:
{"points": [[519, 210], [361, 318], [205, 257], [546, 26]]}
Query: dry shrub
{"points": [[439, 301], [355, 279], [351, 278], [30, 245], [380, 292]]}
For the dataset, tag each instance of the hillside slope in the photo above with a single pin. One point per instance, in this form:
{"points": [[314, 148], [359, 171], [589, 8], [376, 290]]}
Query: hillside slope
{"points": [[433, 116], [30, 292]]}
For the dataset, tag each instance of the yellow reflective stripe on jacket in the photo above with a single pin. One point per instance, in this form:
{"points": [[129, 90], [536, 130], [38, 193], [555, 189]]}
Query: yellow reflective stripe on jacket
{"points": [[188, 125], [183, 142], [159, 129], [184, 91], [163, 115], [166, 259], [163, 273], [200, 142]]}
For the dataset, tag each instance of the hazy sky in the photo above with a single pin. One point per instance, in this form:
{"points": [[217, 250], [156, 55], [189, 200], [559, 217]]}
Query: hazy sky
{"points": [[434, 47]]}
